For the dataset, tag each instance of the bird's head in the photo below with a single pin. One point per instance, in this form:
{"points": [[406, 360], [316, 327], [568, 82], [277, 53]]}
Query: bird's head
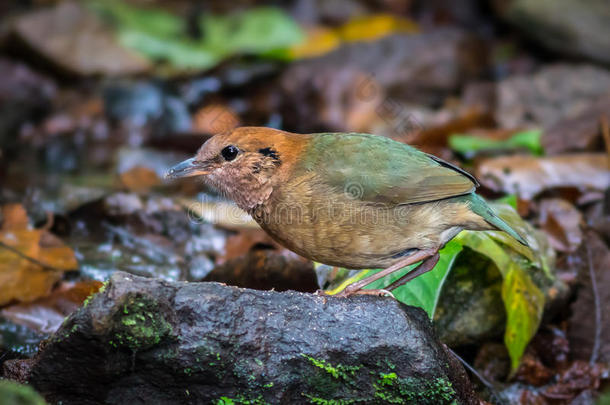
{"points": [[244, 163]]}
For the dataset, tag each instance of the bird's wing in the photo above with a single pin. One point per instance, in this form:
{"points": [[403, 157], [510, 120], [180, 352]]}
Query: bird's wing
{"points": [[378, 169]]}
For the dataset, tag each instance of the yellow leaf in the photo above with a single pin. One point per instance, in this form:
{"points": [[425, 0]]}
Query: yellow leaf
{"points": [[54, 253], [14, 217], [319, 40], [524, 303], [372, 27]]}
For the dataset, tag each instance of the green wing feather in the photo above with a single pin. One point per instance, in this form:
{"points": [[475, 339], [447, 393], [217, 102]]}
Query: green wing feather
{"points": [[378, 169]]}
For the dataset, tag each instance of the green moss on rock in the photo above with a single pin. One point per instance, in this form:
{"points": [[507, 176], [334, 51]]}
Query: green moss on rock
{"points": [[90, 296], [139, 324], [241, 400], [332, 384], [339, 371]]}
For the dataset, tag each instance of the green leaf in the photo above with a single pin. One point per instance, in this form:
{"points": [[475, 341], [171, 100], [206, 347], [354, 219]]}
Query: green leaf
{"points": [[539, 252], [153, 21], [510, 199], [424, 290], [482, 243], [162, 36], [255, 31], [524, 303], [469, 144], [179, 53]]}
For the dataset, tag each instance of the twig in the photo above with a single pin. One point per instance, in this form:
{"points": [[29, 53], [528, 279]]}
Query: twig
{"points": [[28, 258], [485, 382], [605, 133], [598, 310]]}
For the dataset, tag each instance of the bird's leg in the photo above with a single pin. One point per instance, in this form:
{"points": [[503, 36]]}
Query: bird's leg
{"points": [[424, 267], [356, 288]]}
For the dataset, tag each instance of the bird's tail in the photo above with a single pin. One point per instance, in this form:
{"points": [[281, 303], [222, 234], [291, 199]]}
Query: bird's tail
{"points": [[480, 207]]}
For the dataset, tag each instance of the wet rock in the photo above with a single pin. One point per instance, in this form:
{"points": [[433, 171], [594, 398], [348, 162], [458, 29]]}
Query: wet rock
{"points": [[568, 27], [199, 267], [72, 196], [137, 104], [24, 97], [18, 340], [74, 41], [146, 235], [148, 255], [123, 204], [153, 341], [470, 309], [418, 68]]}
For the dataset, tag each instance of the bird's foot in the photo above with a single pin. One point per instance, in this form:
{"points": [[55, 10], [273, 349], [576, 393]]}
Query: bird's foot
{"points": [[378, 293]]}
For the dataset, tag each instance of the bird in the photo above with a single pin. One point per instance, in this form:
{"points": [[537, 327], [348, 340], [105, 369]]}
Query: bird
{"points": [[352, 200]]}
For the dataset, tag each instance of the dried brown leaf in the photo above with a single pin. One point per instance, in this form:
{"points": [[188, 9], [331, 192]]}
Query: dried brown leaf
{"points": [[586, 322], [32, 260], [527, 176], [75, 40], [561, 221], [46, 314], [139, 179]]}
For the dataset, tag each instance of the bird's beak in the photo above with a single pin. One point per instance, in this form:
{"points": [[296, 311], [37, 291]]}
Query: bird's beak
{"points": [[188, 168]]}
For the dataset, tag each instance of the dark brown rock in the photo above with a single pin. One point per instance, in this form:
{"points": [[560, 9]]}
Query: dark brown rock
{"points": [[565, 26], [580, 132], [17, 369], [25, 96], [267, 269], [555, 92]]}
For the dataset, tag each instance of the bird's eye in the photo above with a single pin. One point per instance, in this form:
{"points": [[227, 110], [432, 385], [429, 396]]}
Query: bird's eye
{"points": [[229, 153]]}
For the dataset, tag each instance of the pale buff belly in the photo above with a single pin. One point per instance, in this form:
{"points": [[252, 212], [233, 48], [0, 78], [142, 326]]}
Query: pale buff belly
{"points": [[353, 234]]}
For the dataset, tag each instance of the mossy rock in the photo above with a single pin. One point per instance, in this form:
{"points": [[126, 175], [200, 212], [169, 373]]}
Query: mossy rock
{"points": [[152, 341]]}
